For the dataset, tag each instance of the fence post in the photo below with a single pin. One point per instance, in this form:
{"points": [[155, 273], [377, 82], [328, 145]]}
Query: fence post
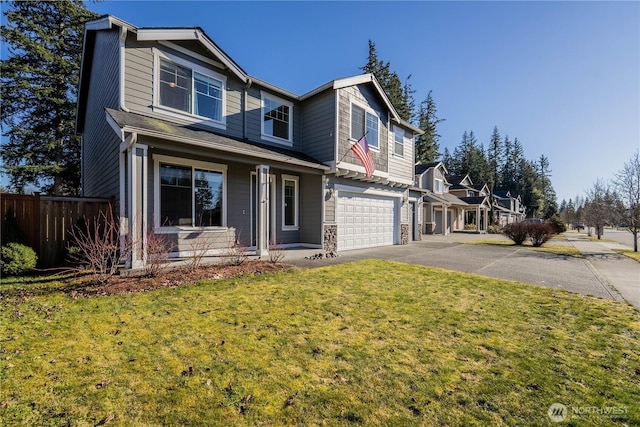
{"points": [[36, 223]]}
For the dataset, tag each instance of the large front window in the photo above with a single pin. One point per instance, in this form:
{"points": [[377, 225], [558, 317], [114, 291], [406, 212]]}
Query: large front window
{"points": [[276, 118], [190, 91], [363, 122], [190, 196]]}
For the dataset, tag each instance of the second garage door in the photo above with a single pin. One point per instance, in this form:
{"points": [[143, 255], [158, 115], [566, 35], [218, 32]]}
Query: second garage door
{"points": [[365, 221]]}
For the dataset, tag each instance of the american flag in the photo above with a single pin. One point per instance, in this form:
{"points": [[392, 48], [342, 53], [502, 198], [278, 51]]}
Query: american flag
{"points": [[361, 149]]}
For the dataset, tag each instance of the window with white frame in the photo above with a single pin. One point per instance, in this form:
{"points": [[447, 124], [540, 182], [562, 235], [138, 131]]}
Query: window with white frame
{"points": [[190, 195], [398, 141], [290, 202], [277, 119], [439, 188], [186, 88], [364, 122]]}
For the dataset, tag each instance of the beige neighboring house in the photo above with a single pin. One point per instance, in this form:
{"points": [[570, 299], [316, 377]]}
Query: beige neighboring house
{"points": [[442, 212]]}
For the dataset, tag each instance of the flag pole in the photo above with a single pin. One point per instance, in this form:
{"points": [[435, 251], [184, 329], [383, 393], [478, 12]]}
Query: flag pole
{"points": [[347, 152]]}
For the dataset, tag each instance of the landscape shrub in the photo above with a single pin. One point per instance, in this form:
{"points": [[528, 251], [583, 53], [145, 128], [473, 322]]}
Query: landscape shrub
{"points": [[539, 233], [556, 224], [95, 245], [470, 227], [493, 229], [517, 231], [17, 259]]}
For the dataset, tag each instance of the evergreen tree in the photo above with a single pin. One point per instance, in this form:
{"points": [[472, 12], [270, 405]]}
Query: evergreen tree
{"points": [[549, 194], [447, 159], [39, 88], [427, 144], [494, 159], [401, 96]]}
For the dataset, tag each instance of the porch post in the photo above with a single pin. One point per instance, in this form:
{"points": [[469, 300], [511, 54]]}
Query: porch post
{"points": [[445, 212], [486, 220], [478, 218], [262, 211], [137, 165]]}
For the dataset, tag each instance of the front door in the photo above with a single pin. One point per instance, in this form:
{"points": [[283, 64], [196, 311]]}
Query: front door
{"points": [[270, 208]]}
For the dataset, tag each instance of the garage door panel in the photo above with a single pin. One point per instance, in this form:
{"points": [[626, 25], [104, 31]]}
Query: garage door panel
{"points": [[365, 221]]}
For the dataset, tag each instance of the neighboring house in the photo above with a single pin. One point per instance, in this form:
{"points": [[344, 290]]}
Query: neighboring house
{"points": [[442, 212], [477, 198], [194, 148], [507, 208]]}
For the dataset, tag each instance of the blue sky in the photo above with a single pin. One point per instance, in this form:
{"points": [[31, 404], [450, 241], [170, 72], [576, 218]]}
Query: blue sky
{"points": [[562, 77]]}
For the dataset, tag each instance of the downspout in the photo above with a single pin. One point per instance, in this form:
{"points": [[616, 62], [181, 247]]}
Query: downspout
{"points": [[123, 38], [245, 132]]}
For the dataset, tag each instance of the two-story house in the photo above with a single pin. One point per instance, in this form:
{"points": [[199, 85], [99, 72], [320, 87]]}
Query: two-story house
{"points": [[442, 211], [191, 146], [476, 196], [507, 208]]}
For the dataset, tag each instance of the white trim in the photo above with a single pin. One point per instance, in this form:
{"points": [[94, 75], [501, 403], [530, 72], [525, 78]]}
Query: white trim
{"points": [[272, 206], [214, 167], [185, 115], [296, 180], [272, 138], [122, 48], [370, 191], [157, 34], [192, 54]]}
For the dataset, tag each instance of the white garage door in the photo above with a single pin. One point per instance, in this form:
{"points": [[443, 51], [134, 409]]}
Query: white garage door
{"points": [[364, 221]]}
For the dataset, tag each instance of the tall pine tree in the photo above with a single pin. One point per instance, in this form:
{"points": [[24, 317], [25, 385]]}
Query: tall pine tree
{"points": [[427, 144], [39, 88], [401, 96]]}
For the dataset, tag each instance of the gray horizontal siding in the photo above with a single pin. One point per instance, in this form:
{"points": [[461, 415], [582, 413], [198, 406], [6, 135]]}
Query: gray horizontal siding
{"points": [[100, 176], [318, 126], [139, 85], [311, 194]]}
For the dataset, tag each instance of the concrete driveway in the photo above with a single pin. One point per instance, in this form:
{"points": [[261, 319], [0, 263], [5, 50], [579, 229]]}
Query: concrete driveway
{"points": [[503, 262]]}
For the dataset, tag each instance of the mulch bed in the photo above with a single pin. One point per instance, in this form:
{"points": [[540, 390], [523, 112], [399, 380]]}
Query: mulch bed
{"points": [[170, 277]]}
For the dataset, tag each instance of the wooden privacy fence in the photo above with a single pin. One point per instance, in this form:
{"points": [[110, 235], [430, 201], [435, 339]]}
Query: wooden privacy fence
{"points": [[45, 221]]}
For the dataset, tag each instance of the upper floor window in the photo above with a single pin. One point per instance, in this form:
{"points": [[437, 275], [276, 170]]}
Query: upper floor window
{"points": [[277, 119], [398, 141], [439, 187], [188, 89], [364, 122]]}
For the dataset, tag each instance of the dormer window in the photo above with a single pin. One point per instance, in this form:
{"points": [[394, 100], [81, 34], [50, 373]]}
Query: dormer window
{"points": [[277, 119], [189, 91], [439, 187]]}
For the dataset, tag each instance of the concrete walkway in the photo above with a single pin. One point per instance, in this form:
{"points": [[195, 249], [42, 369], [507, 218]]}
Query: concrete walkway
{"points": [[620, 272], [602, 273]]}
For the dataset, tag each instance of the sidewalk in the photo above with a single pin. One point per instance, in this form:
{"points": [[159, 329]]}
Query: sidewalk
{"points": [[618, 271]]}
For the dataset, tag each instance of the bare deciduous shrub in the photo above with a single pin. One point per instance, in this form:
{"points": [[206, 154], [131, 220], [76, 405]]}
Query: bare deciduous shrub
{"points": [[199, 248], [158, 247], [97, 246], [539, 233], [236, 254], [276, 253], [517, 231]]}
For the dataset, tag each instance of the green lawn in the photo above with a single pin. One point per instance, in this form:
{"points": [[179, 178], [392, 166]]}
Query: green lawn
{"points": [[368, 343]]}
